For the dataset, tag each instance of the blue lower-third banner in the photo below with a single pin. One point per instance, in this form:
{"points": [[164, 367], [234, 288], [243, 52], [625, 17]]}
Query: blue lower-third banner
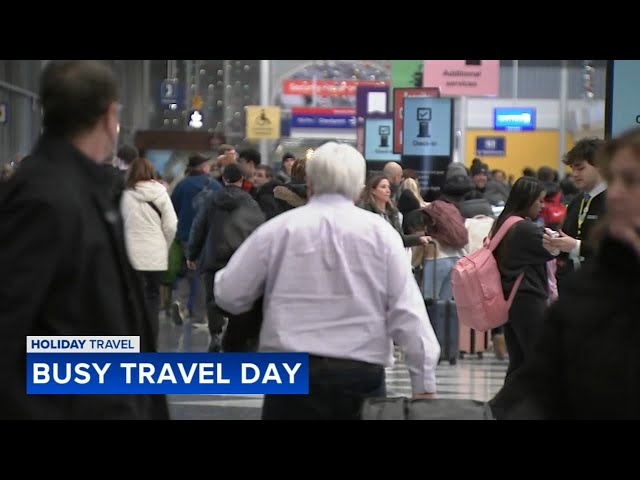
{"points": [[167, 373]]}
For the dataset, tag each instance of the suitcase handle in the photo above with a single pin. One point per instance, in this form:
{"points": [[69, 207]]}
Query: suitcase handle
{"points": [[435, 259]]}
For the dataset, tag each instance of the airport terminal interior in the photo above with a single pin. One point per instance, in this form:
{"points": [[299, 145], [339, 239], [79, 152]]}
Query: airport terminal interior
{"points": [[450, 150]]}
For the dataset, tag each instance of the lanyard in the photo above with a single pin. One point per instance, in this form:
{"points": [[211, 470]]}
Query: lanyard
{"points": [[583, 213]]}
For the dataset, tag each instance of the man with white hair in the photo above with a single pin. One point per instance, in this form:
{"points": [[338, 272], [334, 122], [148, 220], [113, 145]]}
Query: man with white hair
{"points": [[336, 284]]}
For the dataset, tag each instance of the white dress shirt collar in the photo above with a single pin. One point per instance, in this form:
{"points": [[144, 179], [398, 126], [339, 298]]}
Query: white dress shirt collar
{"points": [[598, 189], [330, 199]]}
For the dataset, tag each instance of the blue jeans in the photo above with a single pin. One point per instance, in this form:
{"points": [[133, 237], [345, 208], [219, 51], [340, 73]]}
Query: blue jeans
{"points": [[337, 390]]}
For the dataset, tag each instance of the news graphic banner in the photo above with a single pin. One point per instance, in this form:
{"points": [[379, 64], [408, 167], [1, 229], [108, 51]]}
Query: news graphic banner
{"points": [[83, 344], [114, 365]]}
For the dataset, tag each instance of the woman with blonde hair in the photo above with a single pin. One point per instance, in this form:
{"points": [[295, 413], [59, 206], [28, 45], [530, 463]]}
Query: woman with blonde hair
{"points": [[410, 185]]}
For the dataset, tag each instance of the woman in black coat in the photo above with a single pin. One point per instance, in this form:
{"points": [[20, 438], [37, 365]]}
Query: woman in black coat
{"points": [[522, 251], [587, 362], [376, 197]]}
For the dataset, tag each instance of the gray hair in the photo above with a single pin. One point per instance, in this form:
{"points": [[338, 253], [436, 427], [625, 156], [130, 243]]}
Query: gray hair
{"points": [[337, 168]]}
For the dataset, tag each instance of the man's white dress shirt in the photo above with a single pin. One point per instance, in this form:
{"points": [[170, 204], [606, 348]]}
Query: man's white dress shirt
{"points": [[336, 283]]}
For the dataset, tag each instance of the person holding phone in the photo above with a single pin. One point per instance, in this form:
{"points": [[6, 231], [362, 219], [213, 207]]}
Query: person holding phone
{"points": [[583, 212]]}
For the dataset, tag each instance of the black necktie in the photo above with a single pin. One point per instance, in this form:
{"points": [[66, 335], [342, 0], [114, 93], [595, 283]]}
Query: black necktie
{"points": [[585, 204]]}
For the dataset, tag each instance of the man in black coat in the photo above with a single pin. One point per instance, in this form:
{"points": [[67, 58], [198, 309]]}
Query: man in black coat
{"points": [[265, 183], [229, 216], [586, 365], [585, 210], [63, 256]]}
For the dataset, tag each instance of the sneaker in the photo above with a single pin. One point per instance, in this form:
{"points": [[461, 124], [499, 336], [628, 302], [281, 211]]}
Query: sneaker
{"points": [[176, 313]]}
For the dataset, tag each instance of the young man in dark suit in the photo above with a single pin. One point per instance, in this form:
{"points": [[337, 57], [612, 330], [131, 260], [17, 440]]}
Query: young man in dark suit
{"points": [[63, 255], [585, 209]]}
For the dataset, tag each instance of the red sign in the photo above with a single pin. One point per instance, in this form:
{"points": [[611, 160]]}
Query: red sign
{"points": [[472, 78], [326, 88], [398, 95]]}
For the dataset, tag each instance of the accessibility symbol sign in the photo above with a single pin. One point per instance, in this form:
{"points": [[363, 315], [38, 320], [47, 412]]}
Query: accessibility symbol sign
{"points": [[263, 122]]}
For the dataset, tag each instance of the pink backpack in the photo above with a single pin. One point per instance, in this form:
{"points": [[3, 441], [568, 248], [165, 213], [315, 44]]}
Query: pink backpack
{"points": [[477, 285]]}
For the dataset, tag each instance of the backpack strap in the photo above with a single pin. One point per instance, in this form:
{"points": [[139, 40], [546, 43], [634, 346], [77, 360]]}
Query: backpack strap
{"points": [[514, 290], [502, 231], [495, 241], [157, 210]]}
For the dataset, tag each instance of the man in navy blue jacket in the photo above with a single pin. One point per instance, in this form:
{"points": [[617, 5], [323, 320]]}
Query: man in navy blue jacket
{"points": [[196, 179]]}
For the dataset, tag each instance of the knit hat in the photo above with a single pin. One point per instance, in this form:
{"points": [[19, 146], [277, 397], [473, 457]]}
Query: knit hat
{"points": [[478, 168]]}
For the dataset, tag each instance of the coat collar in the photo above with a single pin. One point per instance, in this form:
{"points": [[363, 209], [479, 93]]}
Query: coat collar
{"points": [[619, 257]]}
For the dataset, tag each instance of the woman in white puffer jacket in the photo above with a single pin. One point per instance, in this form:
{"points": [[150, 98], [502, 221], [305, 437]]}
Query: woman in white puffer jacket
{"points": [[150, 223]]}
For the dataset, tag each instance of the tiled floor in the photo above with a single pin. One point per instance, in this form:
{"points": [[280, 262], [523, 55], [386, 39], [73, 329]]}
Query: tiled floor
{"points": [[472, 378]]}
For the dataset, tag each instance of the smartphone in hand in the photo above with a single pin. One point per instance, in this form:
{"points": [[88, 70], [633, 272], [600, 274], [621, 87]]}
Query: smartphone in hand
{"points": [[551, 233]]}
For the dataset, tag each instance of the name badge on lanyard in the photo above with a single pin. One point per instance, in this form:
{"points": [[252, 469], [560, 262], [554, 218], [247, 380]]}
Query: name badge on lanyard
{"points": [[584, 210]]}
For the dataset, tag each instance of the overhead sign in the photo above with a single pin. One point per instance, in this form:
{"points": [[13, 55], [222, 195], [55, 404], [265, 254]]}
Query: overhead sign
{"points": [[168, 92], [371, 101], [491, 146], [399, 94], [326, 88], [514, 118], [471, 78], [263, 122], [378, 140], [622, 105], [321, 117], [427, 126], [3, 113]]}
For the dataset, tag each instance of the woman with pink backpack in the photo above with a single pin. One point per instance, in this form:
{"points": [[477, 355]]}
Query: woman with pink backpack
{"points": [[521, 251]]}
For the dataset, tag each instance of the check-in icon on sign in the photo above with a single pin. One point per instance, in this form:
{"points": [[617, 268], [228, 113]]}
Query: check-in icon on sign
{"points": [[424, 114]]}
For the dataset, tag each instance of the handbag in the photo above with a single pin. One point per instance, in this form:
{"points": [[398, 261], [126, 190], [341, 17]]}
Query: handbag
{"points": [[402, 408]]}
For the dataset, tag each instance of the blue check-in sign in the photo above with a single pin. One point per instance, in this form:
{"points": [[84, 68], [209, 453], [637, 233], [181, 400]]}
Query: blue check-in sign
{"points": [[514, 118], [426, 126]]}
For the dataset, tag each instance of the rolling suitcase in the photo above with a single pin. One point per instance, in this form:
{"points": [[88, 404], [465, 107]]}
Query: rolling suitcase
{"points": [[472, 341], [441, 309]]}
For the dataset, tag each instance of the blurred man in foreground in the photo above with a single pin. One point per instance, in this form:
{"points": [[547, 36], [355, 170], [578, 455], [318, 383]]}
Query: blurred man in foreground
{"points": [[63, 255]]}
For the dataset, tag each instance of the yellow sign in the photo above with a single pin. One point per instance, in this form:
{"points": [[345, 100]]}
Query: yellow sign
{"points": [[196, 102], [263, 122]]}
